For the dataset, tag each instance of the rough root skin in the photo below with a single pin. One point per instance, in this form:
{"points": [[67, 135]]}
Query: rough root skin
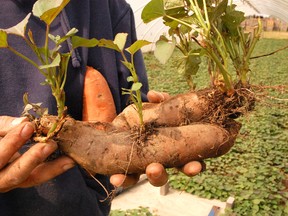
{"points": [[185, 128]]}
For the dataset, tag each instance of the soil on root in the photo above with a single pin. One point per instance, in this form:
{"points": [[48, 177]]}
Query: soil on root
{"points": [[222, 108], [220, 111]]}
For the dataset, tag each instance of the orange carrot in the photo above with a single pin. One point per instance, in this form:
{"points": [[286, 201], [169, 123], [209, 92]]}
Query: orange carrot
{"points": [[98, 103]]}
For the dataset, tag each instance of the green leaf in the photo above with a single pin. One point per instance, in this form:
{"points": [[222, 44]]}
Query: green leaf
{"points": [[232, 20], [25, 99], [58, 39], [20, 28], [130, 79], [48, 10], [137, 46], [120, 40], [83, 42], [153, 10], [219, 10], [3, 39], [126, 91], [164, 49], [128, 65], [54, 63], [108, 44], [193, 62], [136, 86], [177, 12]]}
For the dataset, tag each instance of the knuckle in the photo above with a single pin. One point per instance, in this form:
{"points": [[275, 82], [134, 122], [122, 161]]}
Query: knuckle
{"points": [[13, 181], [33, 180], [9, 182], [4, 119], [35, 155]]}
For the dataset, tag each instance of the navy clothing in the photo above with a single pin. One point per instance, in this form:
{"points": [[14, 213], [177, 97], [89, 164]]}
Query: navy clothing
{"points": [[72, 193]]}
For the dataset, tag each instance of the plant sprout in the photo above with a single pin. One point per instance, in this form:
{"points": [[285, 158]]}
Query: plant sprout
{"points": [[135, 92], [207, 28], [54, 64]]}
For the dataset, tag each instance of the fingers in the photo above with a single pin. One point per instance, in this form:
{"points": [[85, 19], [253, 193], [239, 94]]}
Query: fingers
{"points": [[19, 170], [13, 141], [156, 174], [7, 123], [120, 180], [47, 171], [157, 97], [29, 169], [192, 168]]}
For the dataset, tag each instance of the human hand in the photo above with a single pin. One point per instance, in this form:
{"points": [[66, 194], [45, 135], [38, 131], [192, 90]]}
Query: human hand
{"points": [[156, 172], [30, 168], [98, 105]]}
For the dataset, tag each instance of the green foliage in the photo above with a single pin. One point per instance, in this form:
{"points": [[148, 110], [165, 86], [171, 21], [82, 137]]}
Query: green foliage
{"points": [[141, 211], [205, 29], [254, 170], [47, 10], [135, 91], [54, 64]]}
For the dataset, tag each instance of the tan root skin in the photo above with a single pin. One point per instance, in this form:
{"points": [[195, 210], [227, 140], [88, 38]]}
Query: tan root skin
{"points": [[170, 141], [173, 112], [110, 152]]}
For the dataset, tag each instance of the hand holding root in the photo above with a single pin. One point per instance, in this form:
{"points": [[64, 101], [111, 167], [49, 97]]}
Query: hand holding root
{"points": [[28, 169], [155, 172], [99, 107], [178, 131]]}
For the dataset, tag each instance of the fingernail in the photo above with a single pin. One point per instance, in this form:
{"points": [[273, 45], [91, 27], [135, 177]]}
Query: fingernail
{"points": [[27, 131], [161, 96], [68, 166], [49, 148], [156, 174], [18, 121]]}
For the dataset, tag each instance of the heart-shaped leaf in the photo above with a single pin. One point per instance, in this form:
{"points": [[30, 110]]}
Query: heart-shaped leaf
{"points": [[83, 42], [3, 39], [20, 28], [48, 10], [54, 63], [153, 10], [164, 50], [137, 46], [120, 40]]}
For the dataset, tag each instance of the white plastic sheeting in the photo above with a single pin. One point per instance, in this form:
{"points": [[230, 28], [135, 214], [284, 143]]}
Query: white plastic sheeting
{"points": [[153, 30], [275, 8]]}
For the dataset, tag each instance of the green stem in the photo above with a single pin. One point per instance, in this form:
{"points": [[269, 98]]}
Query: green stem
{"points": [[23, 56], [197, 11], [183, 23], [136, 99], [223, 71], [46, 44]]}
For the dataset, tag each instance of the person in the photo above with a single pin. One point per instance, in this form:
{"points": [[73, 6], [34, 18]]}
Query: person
{"points": [[29, 183]]}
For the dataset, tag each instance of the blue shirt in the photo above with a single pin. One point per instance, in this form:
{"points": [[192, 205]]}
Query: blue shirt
{"points": [[74, 192]]}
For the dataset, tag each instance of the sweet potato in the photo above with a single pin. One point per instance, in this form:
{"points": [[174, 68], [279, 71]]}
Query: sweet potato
{"points": [[112, 151], [178, 110], [178, 131], [98, 103]]}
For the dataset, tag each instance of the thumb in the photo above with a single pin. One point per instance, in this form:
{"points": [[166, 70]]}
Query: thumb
{"points": [[157, 97], [7, 123]]}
